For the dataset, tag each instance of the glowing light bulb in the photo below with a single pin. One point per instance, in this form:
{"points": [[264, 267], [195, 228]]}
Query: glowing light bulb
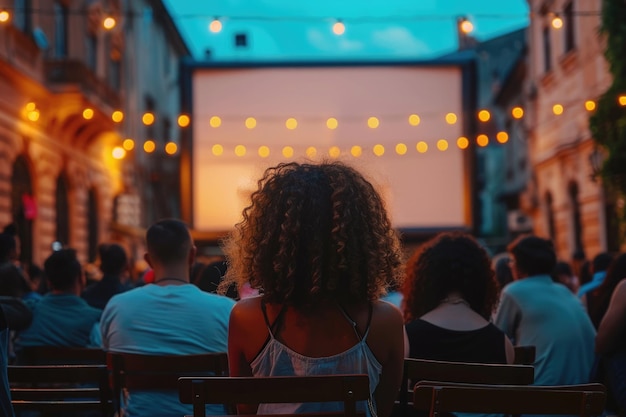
{"points": [[557, 109], [339, 28], [88, 114], [482, 140], [462, 142], [373, 122], [215, 26], [240, 150], [215, 121], [118, 152], [557, 22], [4, 16], [184, 120], [466, 26], [334, 152], [356, 151], [291, 123], [117, 116], [31, 106], [414, 120], [590, 105], [109, 23], [128, 144], [421, 147], [149, 146], [250, 122], [517, 112], [484, 115], [451, 118], [264, 151], [217, 150], [622, 100], [171, 148], [332, 123], [401, 149], [442, 145], [33, 115], [502, 137], [147, 118], [379, 150], [287, 151]]}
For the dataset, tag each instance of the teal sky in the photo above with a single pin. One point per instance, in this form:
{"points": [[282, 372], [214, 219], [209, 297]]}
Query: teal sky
{"points": [[301, 29]]}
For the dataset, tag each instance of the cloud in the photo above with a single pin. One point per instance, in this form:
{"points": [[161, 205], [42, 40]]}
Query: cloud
{"points": [[400, 41]]}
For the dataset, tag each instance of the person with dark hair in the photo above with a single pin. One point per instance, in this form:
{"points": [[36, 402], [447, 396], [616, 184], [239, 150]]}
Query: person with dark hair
{"points": [[450, 293], [318, 244], [12, 280], [502, 267], [170, 316], [62, 318], [113, 264], [599, 266], [535, 310], [564, 274], [598, 299]]}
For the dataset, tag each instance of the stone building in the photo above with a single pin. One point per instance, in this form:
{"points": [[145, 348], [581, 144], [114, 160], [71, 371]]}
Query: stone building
{"points": [[566, 73], [74, 84]]}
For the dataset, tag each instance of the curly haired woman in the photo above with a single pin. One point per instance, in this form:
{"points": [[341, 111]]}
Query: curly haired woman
{"points": [[450, 292], [317, 242]]}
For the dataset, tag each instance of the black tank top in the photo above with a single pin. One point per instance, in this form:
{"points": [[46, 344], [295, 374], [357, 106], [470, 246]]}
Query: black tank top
{"points": [[484, 345]]}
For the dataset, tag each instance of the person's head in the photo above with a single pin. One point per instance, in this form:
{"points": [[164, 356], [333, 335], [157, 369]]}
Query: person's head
{"points": [[8, 247], [532, 255], [169, 246], [63, 270], [601, 262], [11, 230], [314, 233], [502, 267], [113, 260], [449, 263], [564, 274]]}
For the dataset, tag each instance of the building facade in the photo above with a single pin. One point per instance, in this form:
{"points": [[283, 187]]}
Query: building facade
{"points": [[567, 72], [76, 78]]}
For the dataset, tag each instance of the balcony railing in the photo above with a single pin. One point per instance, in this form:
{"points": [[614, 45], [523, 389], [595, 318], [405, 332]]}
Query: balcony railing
{"points": [[71, 71]]}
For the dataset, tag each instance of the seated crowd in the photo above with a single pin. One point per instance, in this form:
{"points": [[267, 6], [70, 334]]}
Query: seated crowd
{"points": [[314, 259]]}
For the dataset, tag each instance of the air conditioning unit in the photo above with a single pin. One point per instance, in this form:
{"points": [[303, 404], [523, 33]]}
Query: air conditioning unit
{"points": [[518, 221]]}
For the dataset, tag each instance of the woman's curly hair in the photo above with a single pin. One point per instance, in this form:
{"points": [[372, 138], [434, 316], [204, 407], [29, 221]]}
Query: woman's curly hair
{"points": [[449, 262], [314, 232]]}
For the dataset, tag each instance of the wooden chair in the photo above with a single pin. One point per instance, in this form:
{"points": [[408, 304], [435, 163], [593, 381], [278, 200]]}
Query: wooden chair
{"points": [[524, 355], [159, 372], [60, 388], [583, 400], [254, 390], [58, 355], [477, 373]]}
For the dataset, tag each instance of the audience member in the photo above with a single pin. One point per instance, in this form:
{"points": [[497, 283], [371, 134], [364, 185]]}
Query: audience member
{"points": [[534, 310], [212, 275], [168, 317], [611, 346], [317, 240], [6, 408], [12, 281], [563, 274], [451, 293], [579, 259], [113, 264], [598, 270], [598, 299], [502, 266], [61, 318]]}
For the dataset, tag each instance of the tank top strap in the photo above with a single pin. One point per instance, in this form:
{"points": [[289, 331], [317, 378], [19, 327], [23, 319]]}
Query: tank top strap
{"points": [[271, 328], [354, 325]]}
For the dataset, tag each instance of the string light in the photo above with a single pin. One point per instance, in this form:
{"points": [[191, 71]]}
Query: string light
{"points": [[442, 145], [379, 150], [217, 150], [373, 122], [356, 151], [401, 149], [339, 28], [622, 100], [171, 148], [149, 146], [517, 112], [118, 152], [311, 152], [4, 16], [462, 142], [183, 120], [117, 116], [291, 123], [147, 118], [240, 150], [502, 137], [215, 121], [466, 26], [484, 115], [264, 151], [414, 120], [33, 115], [590, 105], [557, 22], [451, 118], [332, 123], [334, 152], [30, 106], [250, 122], [557, 109], [109, 23], [421, 147], [287, 151], [88, 114], [128, 144], [215, 26], [482, 140]]}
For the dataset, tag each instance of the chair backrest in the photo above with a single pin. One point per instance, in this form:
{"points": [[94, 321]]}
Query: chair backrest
{"points": [[524, 355], [476, 373], [59, 355], [583, 400], [60, 388], [151, 372], [254, 390]]}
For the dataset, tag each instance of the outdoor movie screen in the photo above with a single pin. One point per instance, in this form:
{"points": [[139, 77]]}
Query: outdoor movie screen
{"points": [[241, 127]]}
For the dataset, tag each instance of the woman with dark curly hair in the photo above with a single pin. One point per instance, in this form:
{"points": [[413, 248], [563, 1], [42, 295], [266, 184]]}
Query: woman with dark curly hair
{"points": [[450, 292], [317, 243]]}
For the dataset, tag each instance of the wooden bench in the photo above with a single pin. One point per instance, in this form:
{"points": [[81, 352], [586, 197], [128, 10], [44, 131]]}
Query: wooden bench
{"points": [[437, 397], [348, 389], [59, 355], [60, 388]]}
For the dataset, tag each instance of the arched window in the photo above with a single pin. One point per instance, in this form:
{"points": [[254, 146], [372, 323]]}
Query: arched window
{"points": [[62, 211], [572, 192], [550, 216], [23, 208], [92, 225]]}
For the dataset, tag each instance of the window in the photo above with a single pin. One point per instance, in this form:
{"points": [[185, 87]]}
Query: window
{"points": [[23, 15], [550, 216], [575, 213], [241, 40], [547, 50], [60, 30], [91, 43], [568, 20]]}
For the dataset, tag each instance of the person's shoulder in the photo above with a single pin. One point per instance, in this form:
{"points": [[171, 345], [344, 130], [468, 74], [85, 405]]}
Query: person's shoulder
{"points": [[386, 312]]}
